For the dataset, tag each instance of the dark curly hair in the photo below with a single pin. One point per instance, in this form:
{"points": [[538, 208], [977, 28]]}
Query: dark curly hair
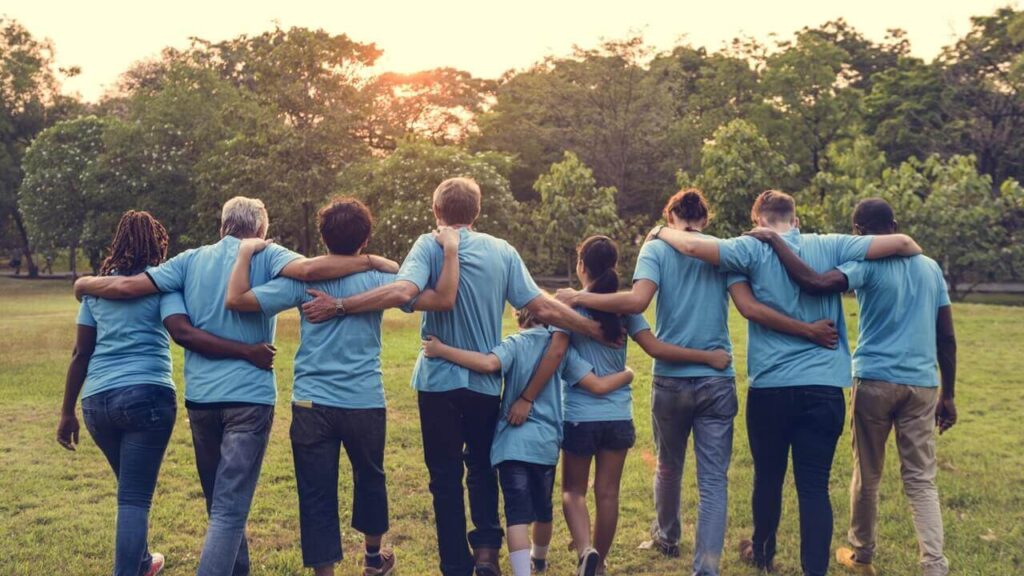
{"points": [[140, 241]]}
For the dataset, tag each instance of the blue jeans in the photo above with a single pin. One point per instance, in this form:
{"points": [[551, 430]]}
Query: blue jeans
{"points": [[706, 406], [317, 434], [229, 443], [807, 420], [132, 427]]}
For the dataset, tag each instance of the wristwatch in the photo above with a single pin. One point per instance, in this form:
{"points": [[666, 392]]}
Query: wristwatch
{"points": [[339, 307]]}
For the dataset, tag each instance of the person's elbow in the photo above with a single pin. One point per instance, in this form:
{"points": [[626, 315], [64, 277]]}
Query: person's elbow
{"points": [[403, 294], [746, 309], [180, 333], [301, 270], [908, 247], [544, 309]]}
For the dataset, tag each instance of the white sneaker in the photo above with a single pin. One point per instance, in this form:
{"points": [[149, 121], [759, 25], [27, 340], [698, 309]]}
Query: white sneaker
{"points": [[589, 561], [156, 565]]}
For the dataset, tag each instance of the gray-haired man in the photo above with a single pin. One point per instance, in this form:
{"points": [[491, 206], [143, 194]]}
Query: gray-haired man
{"points": [[230, 402]]}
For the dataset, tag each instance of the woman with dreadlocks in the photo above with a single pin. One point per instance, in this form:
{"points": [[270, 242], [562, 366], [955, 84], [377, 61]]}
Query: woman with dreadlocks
{"points": [[121, 365]]}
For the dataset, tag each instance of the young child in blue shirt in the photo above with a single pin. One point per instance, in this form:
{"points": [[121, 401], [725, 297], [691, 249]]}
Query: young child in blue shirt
{"points": [[528, 436]]}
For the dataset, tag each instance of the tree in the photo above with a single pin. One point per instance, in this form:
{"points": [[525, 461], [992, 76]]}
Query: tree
{"points": [[852, 170], [706, 91], [62, 203], [985, 71], [314, 80], [189, 141], [810, 101], [907, 110], [439, 105], [736, 166], [30, 100], [399, 189], [571, 208], [601, 104]]}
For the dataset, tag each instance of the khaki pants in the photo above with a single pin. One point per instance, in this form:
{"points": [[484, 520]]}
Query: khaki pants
{"points": [[878, 407]]}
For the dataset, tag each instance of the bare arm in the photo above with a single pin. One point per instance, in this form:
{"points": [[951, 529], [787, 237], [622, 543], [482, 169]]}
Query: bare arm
{"points": [[180, 327], [475, 361], [807, 278], [823, 332], [633, 302], [552, 312], [945, 411], [608, 383], [718, 359], [442, 297], [688, 244], [240, 296], [68, 427], [336, 266], [888, 245], [115, 287]]}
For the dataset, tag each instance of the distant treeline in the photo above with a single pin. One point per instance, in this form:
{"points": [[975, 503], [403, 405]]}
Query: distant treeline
{"points": [[593, 141]]}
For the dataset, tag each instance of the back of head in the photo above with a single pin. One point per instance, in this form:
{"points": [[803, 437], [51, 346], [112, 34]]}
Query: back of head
{"points": [[457, 201], [140, 242], [526, 319], [774, 206], [345, 225], [600, 256], [874, 216], [688, 205], [244, 217]]}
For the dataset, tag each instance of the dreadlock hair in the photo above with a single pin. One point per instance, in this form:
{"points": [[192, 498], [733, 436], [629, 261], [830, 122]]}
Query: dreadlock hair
{"points": [[599, 256], [140, 241]]}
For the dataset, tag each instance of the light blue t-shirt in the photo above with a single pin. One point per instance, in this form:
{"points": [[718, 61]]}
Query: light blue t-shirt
{"points": [[338, 361], [132, 345], [692, 306], [775, 359], [202, 274], [581, 405], [490, 274], [537, 439], [899, 306]]}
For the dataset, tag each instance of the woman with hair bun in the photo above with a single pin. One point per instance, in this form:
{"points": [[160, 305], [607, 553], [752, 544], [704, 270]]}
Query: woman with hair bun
{"points": [[599, 423], [688, 397]]}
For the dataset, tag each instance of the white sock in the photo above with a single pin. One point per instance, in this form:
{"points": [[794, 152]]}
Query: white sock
{"points": [[539, 552], [520, 560]]}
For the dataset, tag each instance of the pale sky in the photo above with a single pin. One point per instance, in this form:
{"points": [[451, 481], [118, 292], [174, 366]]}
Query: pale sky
{"points": [[105, 37]]}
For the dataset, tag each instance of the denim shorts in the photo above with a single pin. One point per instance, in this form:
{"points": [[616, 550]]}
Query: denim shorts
{"points": [[527, 489], [589, 438]]}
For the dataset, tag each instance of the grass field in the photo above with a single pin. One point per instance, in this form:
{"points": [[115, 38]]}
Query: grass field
{"points": [[57, 508]]}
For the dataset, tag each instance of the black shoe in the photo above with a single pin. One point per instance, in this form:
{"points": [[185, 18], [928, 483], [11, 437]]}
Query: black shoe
{"points": [[538, 565]]}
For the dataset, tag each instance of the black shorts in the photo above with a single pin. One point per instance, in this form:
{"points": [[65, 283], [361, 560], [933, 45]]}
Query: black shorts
{"points": [[589, 438], [527, 489]]}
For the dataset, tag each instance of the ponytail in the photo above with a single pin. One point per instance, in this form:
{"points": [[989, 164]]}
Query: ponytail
{"points": [[599, 256]]}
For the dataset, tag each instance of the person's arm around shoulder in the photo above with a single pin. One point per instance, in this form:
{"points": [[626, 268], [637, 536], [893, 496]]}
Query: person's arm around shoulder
{"points": [[822, 332], [633, 302], [442, 297], [718, 359], [332, 266], [239, 296], [115, 287], [687, 243], [887, 245], [553, 313], [469, 359], [807, 278], [68, 427]]}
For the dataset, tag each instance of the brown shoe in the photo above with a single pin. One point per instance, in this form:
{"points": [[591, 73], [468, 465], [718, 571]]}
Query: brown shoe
{"points": [[748, 558], [387, 565], [847, 559], [486, 562]]}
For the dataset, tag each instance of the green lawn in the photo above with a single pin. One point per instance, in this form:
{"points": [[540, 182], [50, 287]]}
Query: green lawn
{"points": [[57, 507]]}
